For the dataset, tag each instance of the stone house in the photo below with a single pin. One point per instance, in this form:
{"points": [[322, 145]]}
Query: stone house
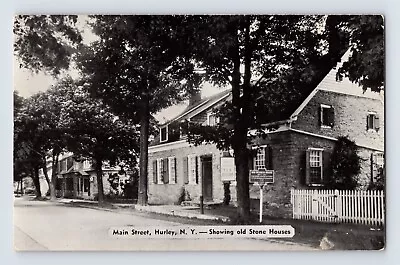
{"points": [[298, 148]]}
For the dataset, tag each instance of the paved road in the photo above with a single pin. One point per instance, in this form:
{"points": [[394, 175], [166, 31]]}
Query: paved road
{"points": [[54, 226]]}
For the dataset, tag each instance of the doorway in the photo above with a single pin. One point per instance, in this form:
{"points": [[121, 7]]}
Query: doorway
{"points": [[206, 173]]}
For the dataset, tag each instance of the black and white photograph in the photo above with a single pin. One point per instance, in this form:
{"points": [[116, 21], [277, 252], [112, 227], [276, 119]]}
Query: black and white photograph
{"points": [[192, 132]]}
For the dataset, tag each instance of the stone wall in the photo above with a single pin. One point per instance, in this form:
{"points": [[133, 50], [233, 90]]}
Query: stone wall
{"points": [[350, 118]]}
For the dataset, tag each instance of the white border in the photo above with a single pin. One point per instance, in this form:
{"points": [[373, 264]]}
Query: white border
{"points": [[388, 7]]}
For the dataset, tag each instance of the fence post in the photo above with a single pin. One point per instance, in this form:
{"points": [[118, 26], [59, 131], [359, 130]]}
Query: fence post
{"points": [[338, 208]]}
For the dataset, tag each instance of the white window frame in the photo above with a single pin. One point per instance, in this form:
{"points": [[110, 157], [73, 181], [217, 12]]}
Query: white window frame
{"points": [[324, 106], [159, 170], [208, 118], [259, 158], [166, 134], [192, 169], [321, 164], [171, 170], [380, 159]]}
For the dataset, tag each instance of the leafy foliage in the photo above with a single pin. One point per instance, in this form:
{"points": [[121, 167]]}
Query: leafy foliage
{"points": [[46, 42], [346, 165], [271, 62], [366, 66], [92, 130], [138, 55]]}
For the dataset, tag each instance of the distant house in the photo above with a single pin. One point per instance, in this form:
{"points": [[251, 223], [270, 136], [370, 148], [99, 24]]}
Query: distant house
{"points": [[298, 148], [77, 178]]}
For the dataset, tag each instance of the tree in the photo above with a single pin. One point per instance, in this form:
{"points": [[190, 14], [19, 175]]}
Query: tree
{"points": [[46, 42], [29, 139], [270, 62], [346, 165], [366, 65], [94, 132], [139, 66]]}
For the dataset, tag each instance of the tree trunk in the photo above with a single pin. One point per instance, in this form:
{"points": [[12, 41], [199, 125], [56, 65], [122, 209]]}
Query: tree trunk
{"points": [[53, 181], [47, 178], [242, 116], [36, 181], [22, 186], [99, 176], [242, 187], [144, 144]]}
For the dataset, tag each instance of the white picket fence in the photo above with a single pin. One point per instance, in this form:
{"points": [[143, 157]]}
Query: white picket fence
{"points": [[344, 206]]}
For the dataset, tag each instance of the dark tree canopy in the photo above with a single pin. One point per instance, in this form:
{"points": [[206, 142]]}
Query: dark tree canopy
{"points": [[47, 42], [366, 66], [138, 55]]}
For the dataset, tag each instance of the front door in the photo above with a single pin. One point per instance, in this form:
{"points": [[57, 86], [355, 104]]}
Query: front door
{"points": [[206, 173]]}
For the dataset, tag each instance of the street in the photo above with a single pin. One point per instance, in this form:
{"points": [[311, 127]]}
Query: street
{"points": [[44, 225]]}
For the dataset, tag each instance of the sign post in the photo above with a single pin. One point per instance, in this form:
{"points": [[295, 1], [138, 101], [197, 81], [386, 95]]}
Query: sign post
{"points": [[262, 177], [261, 202]]}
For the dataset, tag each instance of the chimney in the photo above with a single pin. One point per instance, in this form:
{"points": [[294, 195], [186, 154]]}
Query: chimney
{"points": [[194, 97]]}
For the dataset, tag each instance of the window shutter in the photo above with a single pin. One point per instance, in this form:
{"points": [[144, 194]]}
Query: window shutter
{"points": [[376, 122], [326, 166], [268, 158], [307, 167], [368, 125], [165, 171], [197, 170], [331, 115], [155, 171], [174, 171], [185, 170]]}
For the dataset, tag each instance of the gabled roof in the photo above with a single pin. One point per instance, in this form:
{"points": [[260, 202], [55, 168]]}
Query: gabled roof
{"points": [[200, 106], [329, 83]]}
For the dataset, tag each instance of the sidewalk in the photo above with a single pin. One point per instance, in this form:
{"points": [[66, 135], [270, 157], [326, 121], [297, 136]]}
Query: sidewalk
{"points": [[172, 210]]}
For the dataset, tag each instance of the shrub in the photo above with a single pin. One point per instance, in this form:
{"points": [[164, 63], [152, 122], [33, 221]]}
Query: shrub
{"points": [[183, 196], [346, 165], [380, 181]]}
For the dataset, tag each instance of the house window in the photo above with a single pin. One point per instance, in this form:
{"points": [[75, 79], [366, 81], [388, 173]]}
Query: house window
{"points": [[192, 169], [262, 159], [380, 160], [372, 121], [377, 165], [212, 119], [259, 159], [314, 166], [164, 134], [172, 170], [327, 116]]}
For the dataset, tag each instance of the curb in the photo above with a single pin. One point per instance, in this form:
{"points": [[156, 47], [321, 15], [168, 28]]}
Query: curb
{"points": [[181, 214], [147, 209]]}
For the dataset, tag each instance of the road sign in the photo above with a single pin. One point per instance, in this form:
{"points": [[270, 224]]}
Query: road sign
{"points": [[262, 176]]}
